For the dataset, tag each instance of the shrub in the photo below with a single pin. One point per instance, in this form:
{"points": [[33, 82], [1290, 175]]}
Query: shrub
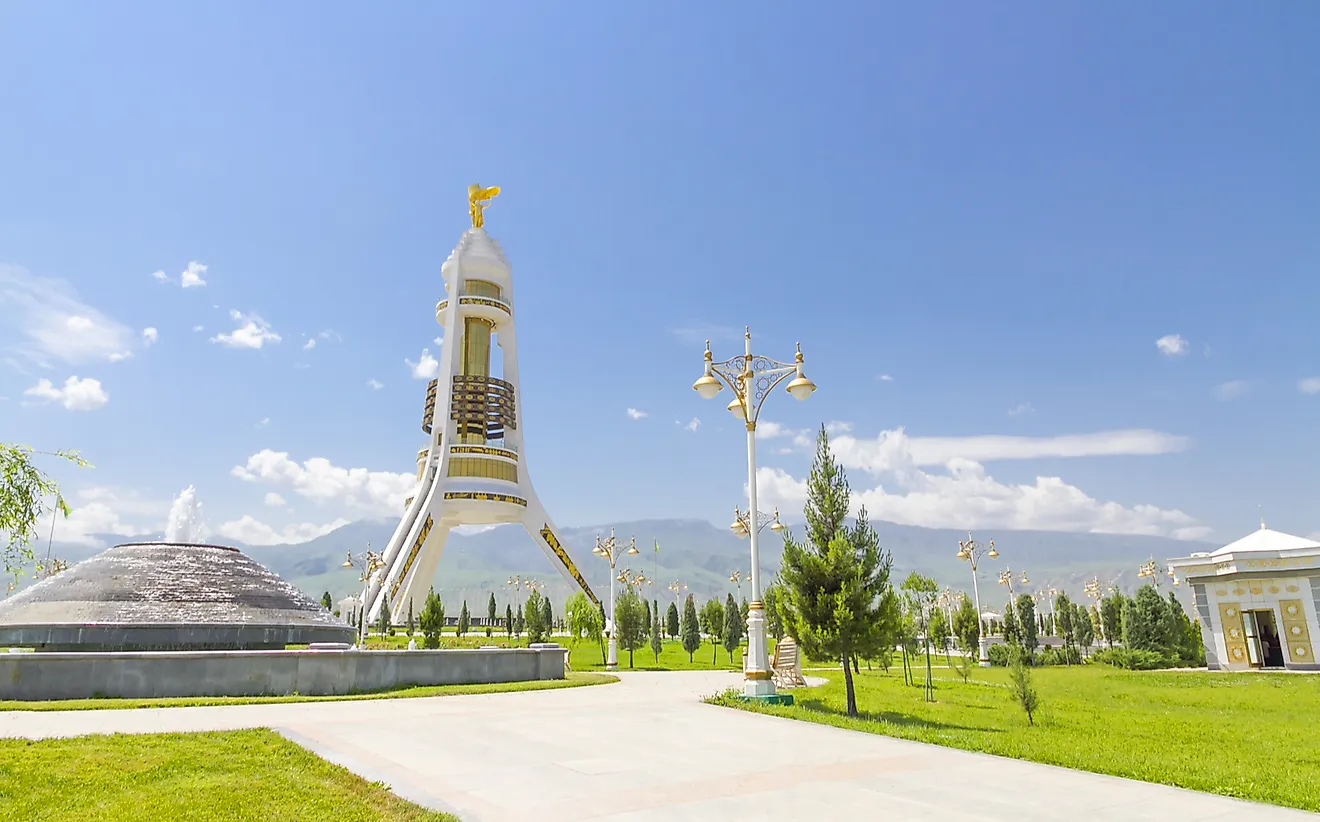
{"points": [[1132, 659], [1000, 655], [1059, 656]]}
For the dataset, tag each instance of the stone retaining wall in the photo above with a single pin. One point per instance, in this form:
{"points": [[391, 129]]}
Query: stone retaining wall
{"points": [[146, 675]]}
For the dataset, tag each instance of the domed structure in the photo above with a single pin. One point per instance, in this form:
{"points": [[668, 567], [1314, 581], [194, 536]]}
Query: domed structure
{"points": [[160, 596]]}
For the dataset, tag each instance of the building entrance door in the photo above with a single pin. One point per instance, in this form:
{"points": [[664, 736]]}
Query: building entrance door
{"points": [[1254, 656], [1267, 638]]}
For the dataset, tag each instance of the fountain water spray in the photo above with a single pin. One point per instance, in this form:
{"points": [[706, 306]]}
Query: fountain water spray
{"points": [[185, 521]]}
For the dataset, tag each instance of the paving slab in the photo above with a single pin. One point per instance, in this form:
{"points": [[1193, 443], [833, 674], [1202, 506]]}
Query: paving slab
{"points": [[648, 750]]}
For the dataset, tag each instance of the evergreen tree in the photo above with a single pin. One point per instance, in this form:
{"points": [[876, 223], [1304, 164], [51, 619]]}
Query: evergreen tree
{"points": [[547, 616], [508, 620], [1185, 641], [519, 623], [492, 614], [1111, 618], [629, 613], [671, 621], [432, 619], [1020, 684], [743, 609], [657, 634], [967, 625], [1012, 632], [464, 619], [535, 618], [1026, 614], [411, 622], [1150, 628], [732, 627], [1064, 619], [1084, 627], [712, 625], [326, 602], [690, 628], [774, 620], [383, 624], [834, 580], [646, 615]]}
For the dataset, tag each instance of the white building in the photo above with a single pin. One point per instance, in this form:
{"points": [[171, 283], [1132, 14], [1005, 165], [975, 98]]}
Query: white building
{"points": [[1257, 600]]}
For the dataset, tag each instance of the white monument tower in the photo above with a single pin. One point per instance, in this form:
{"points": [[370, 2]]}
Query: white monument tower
{"points": [[474, 470]]}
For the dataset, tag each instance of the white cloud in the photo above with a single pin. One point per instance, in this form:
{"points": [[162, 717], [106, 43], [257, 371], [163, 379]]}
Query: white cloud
{"points": [[885, 378], [250, 531], [41, 318], [425, 368], [439, 341], [192, 275], [1172, 345], [78, 393], [197, 328], [263, 422], [98, 510], [149, 336], [376, 493], [895, 449], [309, 345], [691, 425], [161, 276], [1232, 390], [835, 427], [634, 414], [274, 499], [375, 385], [965, 496], [252, 332], [1021, 410], [1310, 385]]}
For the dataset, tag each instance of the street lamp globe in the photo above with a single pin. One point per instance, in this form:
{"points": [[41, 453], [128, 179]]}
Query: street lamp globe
{"points": [[993, 553], [800, 387], [708, 386], [776, 526], [632, 549]]}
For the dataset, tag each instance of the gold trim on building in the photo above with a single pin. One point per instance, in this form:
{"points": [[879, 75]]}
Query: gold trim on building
{"points": [[487, 450], [412, 555], [758, 675], [553, 542], [481, 468], [1235, 635], [1296, 633], [485, 496]]}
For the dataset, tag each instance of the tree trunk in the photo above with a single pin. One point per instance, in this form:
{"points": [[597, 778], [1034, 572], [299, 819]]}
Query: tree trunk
{"points": [[715, 654], [856, 669], [930, 688], [848, 686]]}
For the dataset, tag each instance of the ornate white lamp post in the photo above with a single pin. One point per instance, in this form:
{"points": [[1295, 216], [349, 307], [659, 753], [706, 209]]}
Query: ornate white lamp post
{"points": [[971, 551], [367, 563], [609, 549], [752, 378]]}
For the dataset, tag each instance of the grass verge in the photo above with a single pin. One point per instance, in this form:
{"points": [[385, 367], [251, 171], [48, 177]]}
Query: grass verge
{"points": [[1250, 736], [573, 680], [199, 777]]}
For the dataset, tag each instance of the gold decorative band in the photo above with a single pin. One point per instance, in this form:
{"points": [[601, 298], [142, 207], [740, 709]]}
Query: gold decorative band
{"points": [[486, 450], [503, 306], [483, 496], [756, 675], [756, 605]]}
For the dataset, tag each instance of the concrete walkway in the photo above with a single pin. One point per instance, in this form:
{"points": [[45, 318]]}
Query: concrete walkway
{"points": [[647, 750]]}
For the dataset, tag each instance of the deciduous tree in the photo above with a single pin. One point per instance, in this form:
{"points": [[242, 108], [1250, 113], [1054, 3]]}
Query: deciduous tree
{"points": [[712, 625], [1026, 614], [629, 616], [967, 625], [835, 578], [921, 593], [23, 492], [585, 622], [1111, 618]]}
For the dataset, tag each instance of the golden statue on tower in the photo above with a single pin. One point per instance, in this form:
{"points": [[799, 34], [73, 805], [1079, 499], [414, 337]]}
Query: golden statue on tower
{"points": [[478, 199]]}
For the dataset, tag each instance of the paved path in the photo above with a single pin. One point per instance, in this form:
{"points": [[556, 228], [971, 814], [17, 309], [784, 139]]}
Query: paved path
{"points": [[647, 750]]}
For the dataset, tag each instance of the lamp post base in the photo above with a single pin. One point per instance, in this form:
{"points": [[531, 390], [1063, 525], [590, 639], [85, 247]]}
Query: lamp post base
{"points": [[757, 679], [984, 657], [612, 655]]}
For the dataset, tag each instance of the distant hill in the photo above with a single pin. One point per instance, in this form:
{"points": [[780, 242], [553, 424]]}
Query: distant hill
{"points": [[702, 556]]}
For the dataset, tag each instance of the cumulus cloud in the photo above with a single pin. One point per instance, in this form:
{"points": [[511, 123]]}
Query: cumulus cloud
{"points": [[1172, 345], [274, 499], [250, 531], [78, 393], [42, 319], [191, 277], [99, 510], [425, 368], [373, 493], [161, 276], [964, 495], [634, 414], [691, 425], [895, 448], [1310, 385], [375, 385], [309, 345], [149, 336], [252, 332], [1232, 390]]}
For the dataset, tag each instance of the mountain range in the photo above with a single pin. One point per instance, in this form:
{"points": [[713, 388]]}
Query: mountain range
{"points": [[702, 557]]}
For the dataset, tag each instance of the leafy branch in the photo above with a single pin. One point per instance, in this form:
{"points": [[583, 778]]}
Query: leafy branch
{"points": [[24, 490]]}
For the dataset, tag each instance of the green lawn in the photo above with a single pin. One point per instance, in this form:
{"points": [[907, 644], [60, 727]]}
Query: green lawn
{"points": [[1251, 736], [573, 680], [203, 777], [587, 657]]}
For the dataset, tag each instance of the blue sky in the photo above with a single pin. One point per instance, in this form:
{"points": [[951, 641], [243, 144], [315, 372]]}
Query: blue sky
{"points": [[1001, 210]]}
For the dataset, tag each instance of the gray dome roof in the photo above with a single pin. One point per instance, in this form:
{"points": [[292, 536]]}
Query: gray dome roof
{"points": [[166, 596]]}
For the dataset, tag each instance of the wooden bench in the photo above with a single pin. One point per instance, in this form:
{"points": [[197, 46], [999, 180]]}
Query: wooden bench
{"points": [[786, 666]]}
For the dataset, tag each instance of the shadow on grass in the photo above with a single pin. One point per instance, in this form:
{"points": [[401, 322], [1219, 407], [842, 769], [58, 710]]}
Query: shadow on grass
{"points": [[891, 718]]}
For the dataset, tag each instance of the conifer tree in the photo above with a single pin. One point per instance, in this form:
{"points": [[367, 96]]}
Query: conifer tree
{"points": [[383, 624], [712, 625], [691, 630], [1064, 619], [732, 627], [671, 621], [326, 602], [1012, 633], [535, 617], [1111, 618], [411, 623], [432, 619], [464, 619], [967, 625], [1026, 614], [657, 635], [508, 620], [835, 579], [492, 614], [547, 616], [518, 621]]}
